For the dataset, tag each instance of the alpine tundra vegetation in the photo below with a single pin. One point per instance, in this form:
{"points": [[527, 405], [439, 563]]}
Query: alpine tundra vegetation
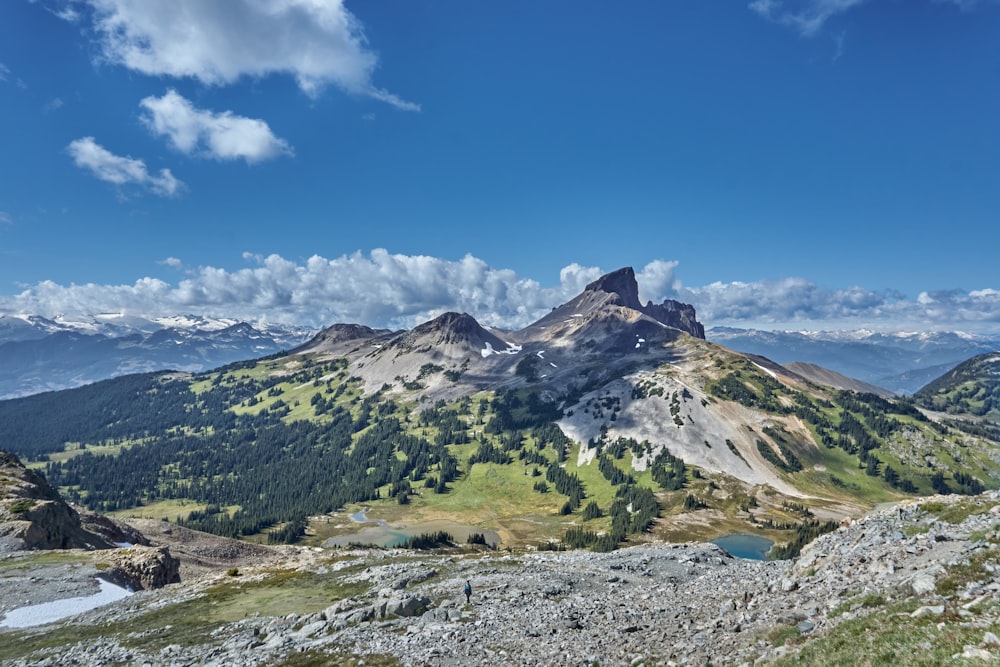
{"points": [[608, 426]]}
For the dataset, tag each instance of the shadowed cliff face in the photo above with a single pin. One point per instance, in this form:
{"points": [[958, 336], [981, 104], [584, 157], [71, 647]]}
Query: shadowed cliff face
{"points": [[623, 285], [34, 516], [599, 331]]}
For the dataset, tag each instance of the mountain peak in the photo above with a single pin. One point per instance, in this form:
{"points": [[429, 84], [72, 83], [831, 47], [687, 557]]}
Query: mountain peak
{"points": [[452, 328], [621, 282], [623, 285], [451, 320]]}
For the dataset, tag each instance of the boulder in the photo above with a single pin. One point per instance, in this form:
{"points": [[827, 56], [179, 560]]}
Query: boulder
{"points": [[406, 606], [141, 567], [922, 584]]}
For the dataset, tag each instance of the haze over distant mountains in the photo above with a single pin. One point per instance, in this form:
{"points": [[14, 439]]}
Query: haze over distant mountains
{"points": [[42, 354], [901, 362], [359, 415]]}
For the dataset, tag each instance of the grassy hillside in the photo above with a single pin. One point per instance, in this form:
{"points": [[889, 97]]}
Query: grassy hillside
{"points": [[972, 389], [260, 448]]}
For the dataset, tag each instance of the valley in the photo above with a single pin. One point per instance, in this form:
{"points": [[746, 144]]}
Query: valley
{"points": [[322, 506], [599, 423], [915, 582]]}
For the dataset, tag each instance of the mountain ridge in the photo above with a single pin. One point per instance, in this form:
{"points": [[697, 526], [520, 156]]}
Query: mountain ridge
{"points": [[611, 406], [971, 388], [605, 325], [51, 355], [901, 362]]}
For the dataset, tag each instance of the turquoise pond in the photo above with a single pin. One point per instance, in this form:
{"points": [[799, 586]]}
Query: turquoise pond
{"points": [[745, 546]]}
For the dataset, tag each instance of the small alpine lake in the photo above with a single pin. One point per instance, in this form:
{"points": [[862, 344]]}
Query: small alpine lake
{"points": [[745, 546]]}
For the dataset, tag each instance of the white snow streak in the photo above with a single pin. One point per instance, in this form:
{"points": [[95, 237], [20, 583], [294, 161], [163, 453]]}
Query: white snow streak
{"points": [[48, 612]]}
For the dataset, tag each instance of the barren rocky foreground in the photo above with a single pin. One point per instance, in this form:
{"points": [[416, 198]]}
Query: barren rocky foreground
{"points": [[914, 584]]}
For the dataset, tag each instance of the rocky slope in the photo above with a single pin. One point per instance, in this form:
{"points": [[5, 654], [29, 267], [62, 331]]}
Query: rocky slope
{"points": [[596, 348], [921, 578], [34, 516], [600, 331], [825, 376]]}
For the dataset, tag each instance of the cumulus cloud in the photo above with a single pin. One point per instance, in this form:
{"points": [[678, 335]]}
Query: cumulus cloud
{"points": [[222, 136], [657, 281], [799, 303], [382, 289], [317, 43], [105, 165]]}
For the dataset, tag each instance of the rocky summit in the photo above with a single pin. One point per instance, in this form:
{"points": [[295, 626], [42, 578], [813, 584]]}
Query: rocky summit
{"points": [[917, 583], [622, 284], [603, 328], [667, 438]]}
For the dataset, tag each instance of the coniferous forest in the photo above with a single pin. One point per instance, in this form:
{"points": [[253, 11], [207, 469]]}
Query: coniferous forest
{"points": [[260, 446]]}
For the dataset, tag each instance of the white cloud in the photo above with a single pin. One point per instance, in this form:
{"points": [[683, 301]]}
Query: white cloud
{"points": [[380, 289], [67, 12], [807, 18], [105, 165], [53, 105], [400, 291], [966, 5], [223, 136], [657, 282], [575, 277], [795, 302], [6, 218], [316, 42], [5, 75], [838, 43]]}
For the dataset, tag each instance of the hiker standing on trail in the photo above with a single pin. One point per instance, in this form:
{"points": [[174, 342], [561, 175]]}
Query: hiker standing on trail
{"points": [[468, 591]]}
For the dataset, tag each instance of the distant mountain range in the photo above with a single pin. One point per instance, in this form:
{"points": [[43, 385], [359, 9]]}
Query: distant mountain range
{"points": [[44, 354], [40, 354], [900, 362], [606, 423], [607, 413]]}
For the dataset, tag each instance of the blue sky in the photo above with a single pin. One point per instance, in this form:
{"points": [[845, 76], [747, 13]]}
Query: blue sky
{"points": [[813, 164]]}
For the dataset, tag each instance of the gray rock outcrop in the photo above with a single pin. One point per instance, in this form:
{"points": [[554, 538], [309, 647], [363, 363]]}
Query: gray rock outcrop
{"points": [[652, 604], [623, 284], [34, 516], [142, 567]]}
